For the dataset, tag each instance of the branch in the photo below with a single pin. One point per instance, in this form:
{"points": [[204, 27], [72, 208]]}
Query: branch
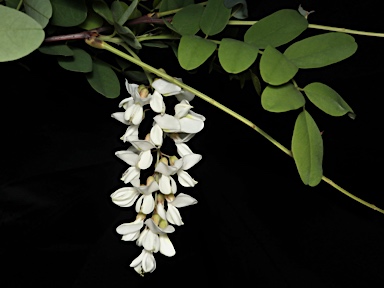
{"points": [[96, 43]]}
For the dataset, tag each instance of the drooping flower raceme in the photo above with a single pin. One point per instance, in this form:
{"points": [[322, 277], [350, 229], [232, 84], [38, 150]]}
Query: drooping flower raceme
{"points": [[157, 202]]}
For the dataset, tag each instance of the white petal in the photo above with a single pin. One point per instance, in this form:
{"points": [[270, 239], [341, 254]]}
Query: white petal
{"points": [[147, 190], [173, 215], [149, 263], [142, 145], [128, 157], [160, 210], [128, 114], [137, 116], [138, 260], [127, 228], [130, 174], [166, 246], [182, 109], [173, 186], [157, 103], [151, 242], [184, 137], [119, 116], [139, 202], [183, 200], [132, 89], [191, 125], [165, 184], [156, 135], [196, 115], [136, 182], [125, 197], [148, 204], [190, 160], [183, 149], [185, 95], [185, 179], [156, 229], [126, 102], [143, 234], [166, 169], [166, 88], [168, 123], [131, 236], [145, 160]]}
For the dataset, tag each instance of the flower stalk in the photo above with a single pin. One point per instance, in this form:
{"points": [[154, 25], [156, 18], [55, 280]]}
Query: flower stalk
{"points": [[94, 42]]}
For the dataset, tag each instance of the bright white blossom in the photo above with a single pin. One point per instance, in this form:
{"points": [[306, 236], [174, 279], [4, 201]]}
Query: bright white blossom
{"points": [[144, 263], [130, 231], [185, 120], [179, 167], [173, 215], [155, 202]]}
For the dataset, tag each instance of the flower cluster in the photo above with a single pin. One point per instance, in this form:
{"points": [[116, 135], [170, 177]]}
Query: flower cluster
{"points": [[156, 200]]}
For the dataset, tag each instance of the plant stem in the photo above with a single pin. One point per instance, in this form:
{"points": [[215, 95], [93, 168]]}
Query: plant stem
{"points": [[94, 42], [315, 26]]}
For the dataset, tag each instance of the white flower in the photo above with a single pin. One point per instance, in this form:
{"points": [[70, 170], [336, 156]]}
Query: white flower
{"points": [[140, 96], [184, 120], [167, 89], [132, 174], [180, 139], [144, 263], [130, 231], [125, 197], [179, 167], [181, 200], [157, 102], [165, 245]]}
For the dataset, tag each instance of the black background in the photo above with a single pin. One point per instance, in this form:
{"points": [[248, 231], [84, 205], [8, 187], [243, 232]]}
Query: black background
{"points": [[255, 222]]}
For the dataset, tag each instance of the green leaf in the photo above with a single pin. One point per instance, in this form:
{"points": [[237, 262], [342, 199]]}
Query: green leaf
{"points": [[327, 99], [194, 51], [104, 80], [101, 8], [282, 98], [187, 20], [57, 49], [79, 62], [92, 21], [127, 35], [215, 17], [12, 3], [68, 13], [19, 34], [275, 68], [121, 11], [174, 4], [40, 10], [156, 44], [240, 11], [307, 149], [276, 29], [321, 50], [236, 56]]}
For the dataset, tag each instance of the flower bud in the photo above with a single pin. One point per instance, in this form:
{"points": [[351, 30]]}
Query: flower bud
{"points": [[143, 91], [172, 160], [164, 160], [163, 223], [156, 218], [170, 197], [150, 179]]}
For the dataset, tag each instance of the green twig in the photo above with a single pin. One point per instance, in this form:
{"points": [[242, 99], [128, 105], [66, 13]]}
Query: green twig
{"points": [[94, 42], [315, 26]]}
